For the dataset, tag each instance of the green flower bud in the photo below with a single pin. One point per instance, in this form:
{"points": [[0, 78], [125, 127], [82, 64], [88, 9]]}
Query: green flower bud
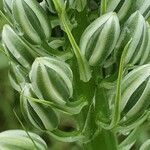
{"points": [[145, 145], [16, 48], [19, 140], [132, 81], [123, 8], [8, 7], [40, 116], [135, 94], [134, 28], [17, 76], [99, 38], [51, 80], [143, 6], [33, 20], [146, 55]]}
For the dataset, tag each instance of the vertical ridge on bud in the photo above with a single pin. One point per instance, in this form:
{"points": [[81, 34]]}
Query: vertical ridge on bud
{"points": [[32, 19], [51, 79], [146, 56], [134, 28], [132, 81], [94, 41], [40, 116], [144, 8], [8, 7], [141, 48], [16, 48], [17, 76]]}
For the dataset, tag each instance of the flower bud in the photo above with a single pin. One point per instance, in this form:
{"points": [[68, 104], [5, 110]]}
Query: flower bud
{"points": [[123, 8], [132, 82], [17, 76], [136, 29], [19, 139], [16, 48], [51, 80], [146, 54], [33, 20], [99, 39], [145, 145], [143, 6], [40, 116], [135, 95], [8, 7]]}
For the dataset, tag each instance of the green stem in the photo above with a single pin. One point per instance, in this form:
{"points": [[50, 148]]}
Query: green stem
{"points": [[103, 7], [116, 112], [5, 18], [106, 140], [84, 69]]}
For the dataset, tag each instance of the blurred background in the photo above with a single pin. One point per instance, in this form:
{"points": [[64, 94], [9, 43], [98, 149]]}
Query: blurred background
{"points": [[9, 100]]}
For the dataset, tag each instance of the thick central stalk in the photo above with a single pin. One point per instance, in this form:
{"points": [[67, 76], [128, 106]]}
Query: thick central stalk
{"points": [[106, 140]]}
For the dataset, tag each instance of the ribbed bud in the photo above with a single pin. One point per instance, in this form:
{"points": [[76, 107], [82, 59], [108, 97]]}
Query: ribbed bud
{"points": [[144, 7], [16, 48], [40, 116], [99, 38], [123, 8], [136, 29], [135, 94], [17, 76], [79, 5], [19, 140], [145, 145], [146, 55], [33, 20], [8, 7], [51, 80]]}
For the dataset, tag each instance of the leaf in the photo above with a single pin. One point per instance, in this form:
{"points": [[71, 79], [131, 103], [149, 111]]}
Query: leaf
{"points": [[66, 136]]}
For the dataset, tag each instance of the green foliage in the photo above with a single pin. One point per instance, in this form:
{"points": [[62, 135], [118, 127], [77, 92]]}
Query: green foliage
{"points": [[82, 61]]}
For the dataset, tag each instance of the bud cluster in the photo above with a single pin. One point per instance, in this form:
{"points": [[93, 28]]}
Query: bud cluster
{"points": [[103, 84]]}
